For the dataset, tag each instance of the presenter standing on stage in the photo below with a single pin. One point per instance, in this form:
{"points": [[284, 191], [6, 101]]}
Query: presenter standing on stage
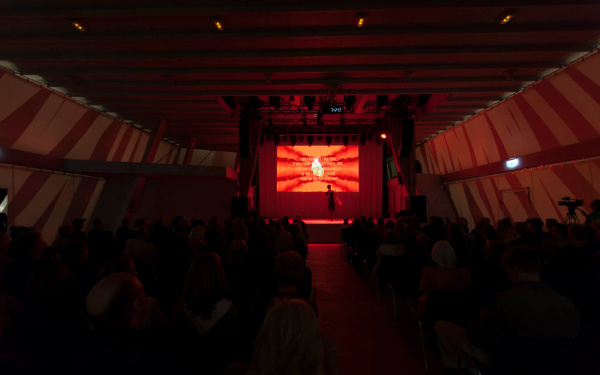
{"points": [[331, 200]]}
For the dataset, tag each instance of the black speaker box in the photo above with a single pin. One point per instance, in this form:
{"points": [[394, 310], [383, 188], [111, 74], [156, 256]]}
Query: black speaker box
{"points": [[418, 206], [239, 207]]}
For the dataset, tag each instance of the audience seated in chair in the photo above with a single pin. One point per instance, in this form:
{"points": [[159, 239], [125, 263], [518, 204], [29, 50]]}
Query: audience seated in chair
{"points": [[207, 326], [290, 343], [439, 283], [530, 313]]}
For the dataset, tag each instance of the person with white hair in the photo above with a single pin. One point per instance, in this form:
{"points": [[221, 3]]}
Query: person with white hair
{"points": [[444, 277]]}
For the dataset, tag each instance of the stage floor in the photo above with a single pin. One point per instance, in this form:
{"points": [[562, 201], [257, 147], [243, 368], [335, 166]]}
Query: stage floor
{"points": [[323, 221]]}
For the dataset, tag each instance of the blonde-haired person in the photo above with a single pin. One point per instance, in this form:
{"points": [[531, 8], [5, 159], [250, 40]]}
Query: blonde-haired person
{"points": [[444, 277], [290, 343]]}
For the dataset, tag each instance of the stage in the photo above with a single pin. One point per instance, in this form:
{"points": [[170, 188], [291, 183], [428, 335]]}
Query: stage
{"points": [[323, 231]]}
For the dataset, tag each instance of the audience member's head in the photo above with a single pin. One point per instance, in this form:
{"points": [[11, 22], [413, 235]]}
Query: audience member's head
{"points": [[28, 245], [50, 284], [443, 255], [489, 232], [505, 225], [78, 224], [117, 302], [74, 253], [64, 232], [241, 233], [205, 284], [283, 242], [98, 224], [236, 252], [522, 228], [423, 241], [4, 243], [141, 232], [578, 234], [494, 251], [550, 223], [535, 224], [289, 268], [521, 264], [123, 263], [289, 341], [559, 231], [392, 237]]}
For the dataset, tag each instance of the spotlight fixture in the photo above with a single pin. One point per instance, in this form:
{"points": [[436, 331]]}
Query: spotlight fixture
{"points": [[77, 24], [276, 139], [310, 140], [361, 18], [293, 140], [381, 101], [218, 23], [309, 101], [328, 140], [362, 139], [345, 139], [349, 100], [507, 16], [275, 101]]}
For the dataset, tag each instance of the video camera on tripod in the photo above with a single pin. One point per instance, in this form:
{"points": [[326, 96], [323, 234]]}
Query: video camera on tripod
{"points": [[572, 205]]}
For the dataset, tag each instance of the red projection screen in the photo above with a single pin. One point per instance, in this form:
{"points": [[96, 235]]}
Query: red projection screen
{"points": [[311, 169]]}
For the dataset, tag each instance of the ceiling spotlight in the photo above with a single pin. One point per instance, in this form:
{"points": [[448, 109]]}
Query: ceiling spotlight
{"points": [[382, 100], [218, 23], [361, 18], [77, 24], [309, 101], [293, 140], [345, 139], [349, 100], [310, 140], [383, 136], [362, 139], [507, 16], [328, 140], [275, 101]]}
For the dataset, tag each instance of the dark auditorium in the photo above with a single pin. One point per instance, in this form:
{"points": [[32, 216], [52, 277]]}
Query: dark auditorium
{"points": [[312, 187]]}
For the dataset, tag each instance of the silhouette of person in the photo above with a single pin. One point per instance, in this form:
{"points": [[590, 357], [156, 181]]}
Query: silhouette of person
{"points": [[331, 197]]}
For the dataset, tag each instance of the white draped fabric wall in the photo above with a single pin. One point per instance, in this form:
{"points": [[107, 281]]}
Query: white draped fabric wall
{"points": [[367, 202]]}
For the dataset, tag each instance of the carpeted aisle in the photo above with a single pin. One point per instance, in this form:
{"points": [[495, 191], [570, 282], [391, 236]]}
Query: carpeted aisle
{"points": [[369, 341]]}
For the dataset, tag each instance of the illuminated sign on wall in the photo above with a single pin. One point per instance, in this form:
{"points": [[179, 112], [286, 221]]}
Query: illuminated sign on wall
{"points": [[512, 163]]}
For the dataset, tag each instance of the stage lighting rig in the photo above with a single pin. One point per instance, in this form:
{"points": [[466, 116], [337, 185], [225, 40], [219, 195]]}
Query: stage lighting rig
{"points": [[349, 100], [309, 101]]}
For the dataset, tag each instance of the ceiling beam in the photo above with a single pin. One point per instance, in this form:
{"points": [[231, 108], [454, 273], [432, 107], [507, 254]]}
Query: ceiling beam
{"points": [[161, 102], [300, 32], [37, 68], [210, 7], [100, 83], [285, 53], [189, 93]]}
